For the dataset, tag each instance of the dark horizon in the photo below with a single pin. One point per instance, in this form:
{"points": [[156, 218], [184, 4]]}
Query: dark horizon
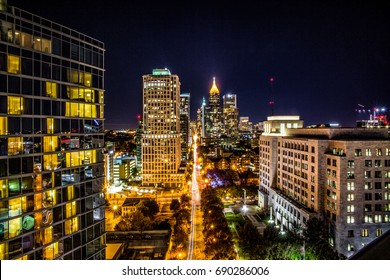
{"points": [[326, 57]]}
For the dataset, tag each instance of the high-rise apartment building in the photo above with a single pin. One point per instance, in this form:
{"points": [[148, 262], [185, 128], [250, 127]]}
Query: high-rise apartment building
{"points": [[184, 124], [51, 139], [161, 152], [230, 115], [341, 175]]}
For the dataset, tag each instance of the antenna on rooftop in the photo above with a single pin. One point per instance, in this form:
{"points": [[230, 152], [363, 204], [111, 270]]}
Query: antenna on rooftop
{"points": [[272, 101]]}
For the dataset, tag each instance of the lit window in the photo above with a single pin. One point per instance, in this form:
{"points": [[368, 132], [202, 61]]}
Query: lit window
{"points": [[50, 125], [351, 247], [48, 235], [50, 162], [50, 144], [51, 89], [15, 105], [101, 112], [37, 43], [350, 208], [15, 227], [71, 209], [101, 97], [378, 152], [350, 186], [71, 225], [74, 109], [379, 232], [365, 233], [71, 192], [13, 64], [50, 198], [81, 94], [15, 207], [81, 78], [51, 252], [15, 146], [3, 125], [368, 152], [378, 218], [350, 219], [368, 219], [46, 45]]}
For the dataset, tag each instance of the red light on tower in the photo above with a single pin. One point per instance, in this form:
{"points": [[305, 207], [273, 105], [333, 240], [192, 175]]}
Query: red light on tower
{"points": [[138, 116], [271, 79]]}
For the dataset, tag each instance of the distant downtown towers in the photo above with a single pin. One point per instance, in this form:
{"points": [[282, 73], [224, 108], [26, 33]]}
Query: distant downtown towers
{"points": [[161, 149], [51, 140]]}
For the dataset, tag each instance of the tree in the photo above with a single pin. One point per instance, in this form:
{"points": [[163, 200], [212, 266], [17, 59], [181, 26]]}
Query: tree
{"points": [[124, 224], [139, 222], [175, 205], [316, 236], [148, 207]]}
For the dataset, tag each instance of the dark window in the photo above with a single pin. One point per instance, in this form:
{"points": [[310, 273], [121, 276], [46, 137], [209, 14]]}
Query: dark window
{"points": [[13, 84], [27, 68], [27, 87], [14, 166]]}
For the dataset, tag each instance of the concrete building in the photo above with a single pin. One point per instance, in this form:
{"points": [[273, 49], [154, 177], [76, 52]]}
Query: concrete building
{"points": [[122, 167], [161, 151], [341, 175], [109, 163], [52, 140]]}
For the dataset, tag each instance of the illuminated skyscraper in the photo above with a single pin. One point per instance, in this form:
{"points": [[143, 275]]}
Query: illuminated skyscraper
{"points": [[213, 114], [52, 140], [184, 124], [161, 153], [230, 115]]}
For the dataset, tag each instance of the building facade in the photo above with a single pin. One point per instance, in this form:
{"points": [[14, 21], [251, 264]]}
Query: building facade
{"points": [[341, 175], [213, 114], [185, 136], [161, 151], [52, 140], [230, 115]]}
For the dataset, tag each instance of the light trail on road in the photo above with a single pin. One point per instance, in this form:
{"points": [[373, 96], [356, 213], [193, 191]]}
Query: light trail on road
{"points": [[195, 202]]}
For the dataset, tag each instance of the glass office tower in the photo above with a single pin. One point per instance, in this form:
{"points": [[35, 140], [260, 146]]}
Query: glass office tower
{"points": [[51, 140]]}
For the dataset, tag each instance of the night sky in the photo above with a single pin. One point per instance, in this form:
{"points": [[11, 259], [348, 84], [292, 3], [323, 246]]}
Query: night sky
{"points": [[326, 56]]}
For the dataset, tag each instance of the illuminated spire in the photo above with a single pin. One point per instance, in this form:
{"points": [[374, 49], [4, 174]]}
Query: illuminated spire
{"points": [[214, 89]]}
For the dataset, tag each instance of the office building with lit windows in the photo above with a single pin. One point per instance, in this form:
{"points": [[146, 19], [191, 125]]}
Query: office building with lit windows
{"points": [[230, 115], [213, 115], [51, 139], [341, 175], [185, 124], [161, 151]]}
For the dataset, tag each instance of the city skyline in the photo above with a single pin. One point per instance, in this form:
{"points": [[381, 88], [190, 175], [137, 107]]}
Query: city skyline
{"points": [[335, 51]]}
